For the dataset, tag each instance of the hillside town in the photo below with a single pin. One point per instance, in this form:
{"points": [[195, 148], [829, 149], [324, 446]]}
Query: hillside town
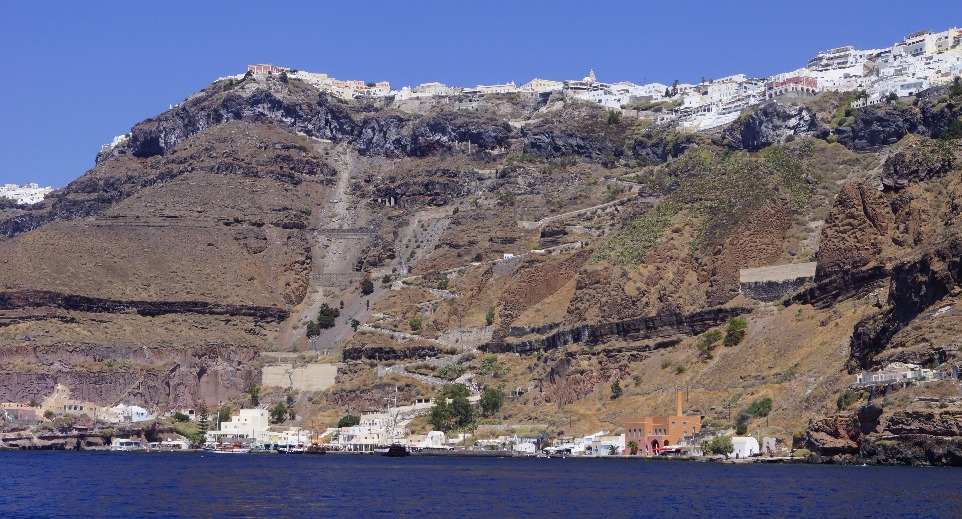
{"points": [[921, 60]]}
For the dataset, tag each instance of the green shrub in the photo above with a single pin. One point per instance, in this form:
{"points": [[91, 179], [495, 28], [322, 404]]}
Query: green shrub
{"points": [[367, 286], [415, 323], [741, 429], [616, 390], [848, 398], [181, 417], [760, 407]]}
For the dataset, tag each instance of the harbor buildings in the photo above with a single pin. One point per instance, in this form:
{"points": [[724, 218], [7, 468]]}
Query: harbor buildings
{"points": [[651, 434]]}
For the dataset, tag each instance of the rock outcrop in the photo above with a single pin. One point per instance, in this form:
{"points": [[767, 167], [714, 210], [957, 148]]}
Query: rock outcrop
{"points": [[771, 123], [910, 437]]}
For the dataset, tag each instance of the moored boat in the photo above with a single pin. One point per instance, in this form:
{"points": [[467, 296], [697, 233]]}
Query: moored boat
{"points": [[394, 451]]}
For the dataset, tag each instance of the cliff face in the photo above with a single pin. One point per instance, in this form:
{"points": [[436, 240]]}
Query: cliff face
{"points": [[883, 124], [878, 436], [771, 123], [315, 115]]}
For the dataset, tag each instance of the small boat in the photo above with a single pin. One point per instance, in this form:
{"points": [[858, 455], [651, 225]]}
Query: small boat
{"points": [[235, 448], [316, 449], [394, 451]]}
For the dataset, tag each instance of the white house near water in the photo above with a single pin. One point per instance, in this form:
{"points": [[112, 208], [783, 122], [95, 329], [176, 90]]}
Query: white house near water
{"points": [[744, 446]]}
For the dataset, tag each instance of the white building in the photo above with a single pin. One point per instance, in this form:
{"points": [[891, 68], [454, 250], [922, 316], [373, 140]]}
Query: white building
{"points": [[248, 423], [129, 414], [27, 194], [744, 446], [525, 448]]}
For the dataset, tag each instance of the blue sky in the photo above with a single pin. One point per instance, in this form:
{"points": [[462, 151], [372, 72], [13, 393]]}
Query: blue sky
{"points": [[78, 73]]}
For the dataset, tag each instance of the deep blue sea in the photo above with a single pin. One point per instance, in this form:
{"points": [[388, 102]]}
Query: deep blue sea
{"points": [[130, 485]]}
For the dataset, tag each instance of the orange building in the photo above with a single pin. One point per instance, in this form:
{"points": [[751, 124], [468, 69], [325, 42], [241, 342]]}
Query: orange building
{"points": [[653, 433]]}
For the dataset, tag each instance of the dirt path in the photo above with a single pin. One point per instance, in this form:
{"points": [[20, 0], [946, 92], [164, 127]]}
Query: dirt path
{"points": [[334, 254]]}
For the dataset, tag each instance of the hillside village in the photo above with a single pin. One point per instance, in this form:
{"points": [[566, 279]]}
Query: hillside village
{"points": [[922, 60]]}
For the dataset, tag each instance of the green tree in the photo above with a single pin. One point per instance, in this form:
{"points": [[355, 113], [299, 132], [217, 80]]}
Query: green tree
{"points": [[354, 324], [741, 429], [313, 330], [489, 317], [255, 394], [223, 413], [440, 417], [283, 76], [349, 420], [760, 407], [386, 279], [477, 258], [326, 316], [736, 331], [367, 286], [462, 411], [491, 401], [707, 343], [633, 447], [181, 417], [614, 117], [616, 390], [722, 445], [278, 412], [203, 417], [443, 282]]}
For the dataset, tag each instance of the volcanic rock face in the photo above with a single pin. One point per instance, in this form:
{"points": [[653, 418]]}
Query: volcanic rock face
{"points": [[771, 124], [383, 134], [883, 125], [918, 162], [871, 435]]}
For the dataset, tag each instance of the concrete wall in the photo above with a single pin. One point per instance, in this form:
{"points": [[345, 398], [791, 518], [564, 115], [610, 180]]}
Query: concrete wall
{"points": [[771, 283], [312, 377]]}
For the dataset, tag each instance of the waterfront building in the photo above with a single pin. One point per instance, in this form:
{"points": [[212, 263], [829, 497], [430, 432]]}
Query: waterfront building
{"points": [[652, 433], [744, 447], [247, 424]]}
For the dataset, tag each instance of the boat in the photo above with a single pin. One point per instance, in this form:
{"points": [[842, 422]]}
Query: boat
{"points": [[394, 451], [316, 449], [228, 448]]}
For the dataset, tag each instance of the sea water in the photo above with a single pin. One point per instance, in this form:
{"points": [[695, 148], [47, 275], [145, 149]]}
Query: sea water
{"points": [[129, 485]]}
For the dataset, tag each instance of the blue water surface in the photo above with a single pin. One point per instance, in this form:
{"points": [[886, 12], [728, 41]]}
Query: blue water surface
{"points": [[130, 485]]}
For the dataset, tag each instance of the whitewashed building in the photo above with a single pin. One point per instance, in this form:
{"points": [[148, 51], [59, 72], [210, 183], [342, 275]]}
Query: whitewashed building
{"points": [[745, 446], [30, 193]]}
